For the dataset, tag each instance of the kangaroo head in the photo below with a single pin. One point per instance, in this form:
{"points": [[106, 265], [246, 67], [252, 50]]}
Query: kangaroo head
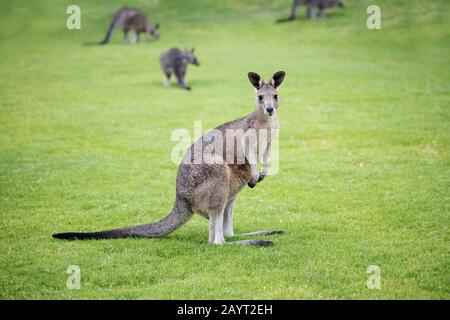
{"points": [[190, 57], [266, 98], [154, 31]]}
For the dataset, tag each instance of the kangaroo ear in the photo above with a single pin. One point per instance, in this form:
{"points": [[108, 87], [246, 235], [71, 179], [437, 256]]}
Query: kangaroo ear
{"points": [[277, 79], [157, 26], [255, 80]]}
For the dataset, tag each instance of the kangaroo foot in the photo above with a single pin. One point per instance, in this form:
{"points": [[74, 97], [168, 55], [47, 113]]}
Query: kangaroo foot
{"points": [[253, 242], [263, 233]]}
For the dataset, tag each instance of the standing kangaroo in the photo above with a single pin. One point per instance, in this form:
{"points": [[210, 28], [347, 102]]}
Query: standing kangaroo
{"points": [[175, 61], [314, 8], [133, 20], [209, 185]]}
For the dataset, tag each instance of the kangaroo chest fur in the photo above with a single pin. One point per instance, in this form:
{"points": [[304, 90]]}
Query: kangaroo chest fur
{"points": [[227, 170]]}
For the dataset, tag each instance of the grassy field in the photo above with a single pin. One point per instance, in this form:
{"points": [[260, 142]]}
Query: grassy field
{"points": [[85, 144]]}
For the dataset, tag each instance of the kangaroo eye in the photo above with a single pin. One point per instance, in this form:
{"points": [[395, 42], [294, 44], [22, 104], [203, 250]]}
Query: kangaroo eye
{"points": [[260, 98], [275, 97]]}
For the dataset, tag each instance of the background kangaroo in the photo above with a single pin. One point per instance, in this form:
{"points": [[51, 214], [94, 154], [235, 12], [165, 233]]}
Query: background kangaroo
{"points": [[175, 61], [211, 189], [130, 19], [314, 8]]}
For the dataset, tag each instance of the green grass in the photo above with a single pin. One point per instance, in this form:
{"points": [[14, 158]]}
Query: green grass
{"points": [[364, 146]]}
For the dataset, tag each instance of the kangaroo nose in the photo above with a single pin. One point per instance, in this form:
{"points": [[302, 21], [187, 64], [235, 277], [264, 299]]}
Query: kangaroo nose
{"points": [[269, 109]]}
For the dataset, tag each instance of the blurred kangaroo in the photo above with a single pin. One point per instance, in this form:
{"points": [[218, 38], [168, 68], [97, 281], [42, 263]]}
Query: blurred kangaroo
{"points": [[130, 19], [314, 8], [211, 188], [175, 61]]}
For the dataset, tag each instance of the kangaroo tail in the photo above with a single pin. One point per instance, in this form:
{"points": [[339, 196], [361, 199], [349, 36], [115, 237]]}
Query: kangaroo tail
{"points": [[180, 214], [112, 26]]}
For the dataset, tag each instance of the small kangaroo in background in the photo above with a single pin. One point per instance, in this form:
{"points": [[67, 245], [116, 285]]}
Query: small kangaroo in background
{"points": [[175, 61], [314, 8], [211, 188], [130, 19]]}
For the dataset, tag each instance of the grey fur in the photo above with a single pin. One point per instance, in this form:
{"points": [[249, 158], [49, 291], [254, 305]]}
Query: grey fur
{"points": [[314, 8], [211, 189], [175, 61], [130, 19]]}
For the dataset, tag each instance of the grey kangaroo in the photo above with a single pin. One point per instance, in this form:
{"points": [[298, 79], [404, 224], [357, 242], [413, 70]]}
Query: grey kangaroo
{"points": [[130, 19], [314, 8], [175, 61], [211, 188]]}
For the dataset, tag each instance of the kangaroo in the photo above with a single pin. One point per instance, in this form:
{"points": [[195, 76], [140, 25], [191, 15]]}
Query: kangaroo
{"points": [[314, 8], [133, 20], [211, 188], [175, 62]]}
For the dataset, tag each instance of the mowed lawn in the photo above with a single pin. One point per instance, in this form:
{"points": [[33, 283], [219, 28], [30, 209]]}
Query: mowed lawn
{"points": [[364, 179]]}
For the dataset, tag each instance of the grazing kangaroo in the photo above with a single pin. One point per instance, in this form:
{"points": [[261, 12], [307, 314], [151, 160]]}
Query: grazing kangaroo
{"points": [[314, 8], [208, 187], [175, 61], [133, 20]]}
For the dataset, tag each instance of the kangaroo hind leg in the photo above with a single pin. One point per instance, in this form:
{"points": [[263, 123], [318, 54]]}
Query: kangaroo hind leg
{"points": [[228, 219], [216, 228], [257, 243]]}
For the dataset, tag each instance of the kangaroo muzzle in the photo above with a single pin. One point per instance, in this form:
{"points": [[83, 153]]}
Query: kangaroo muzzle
{"points": [[270, 111]]}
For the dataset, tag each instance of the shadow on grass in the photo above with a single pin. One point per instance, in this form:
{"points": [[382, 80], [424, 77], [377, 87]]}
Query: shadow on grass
{"points": [[197, 83], [101, 43], [284, 20], [92, 44]]}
